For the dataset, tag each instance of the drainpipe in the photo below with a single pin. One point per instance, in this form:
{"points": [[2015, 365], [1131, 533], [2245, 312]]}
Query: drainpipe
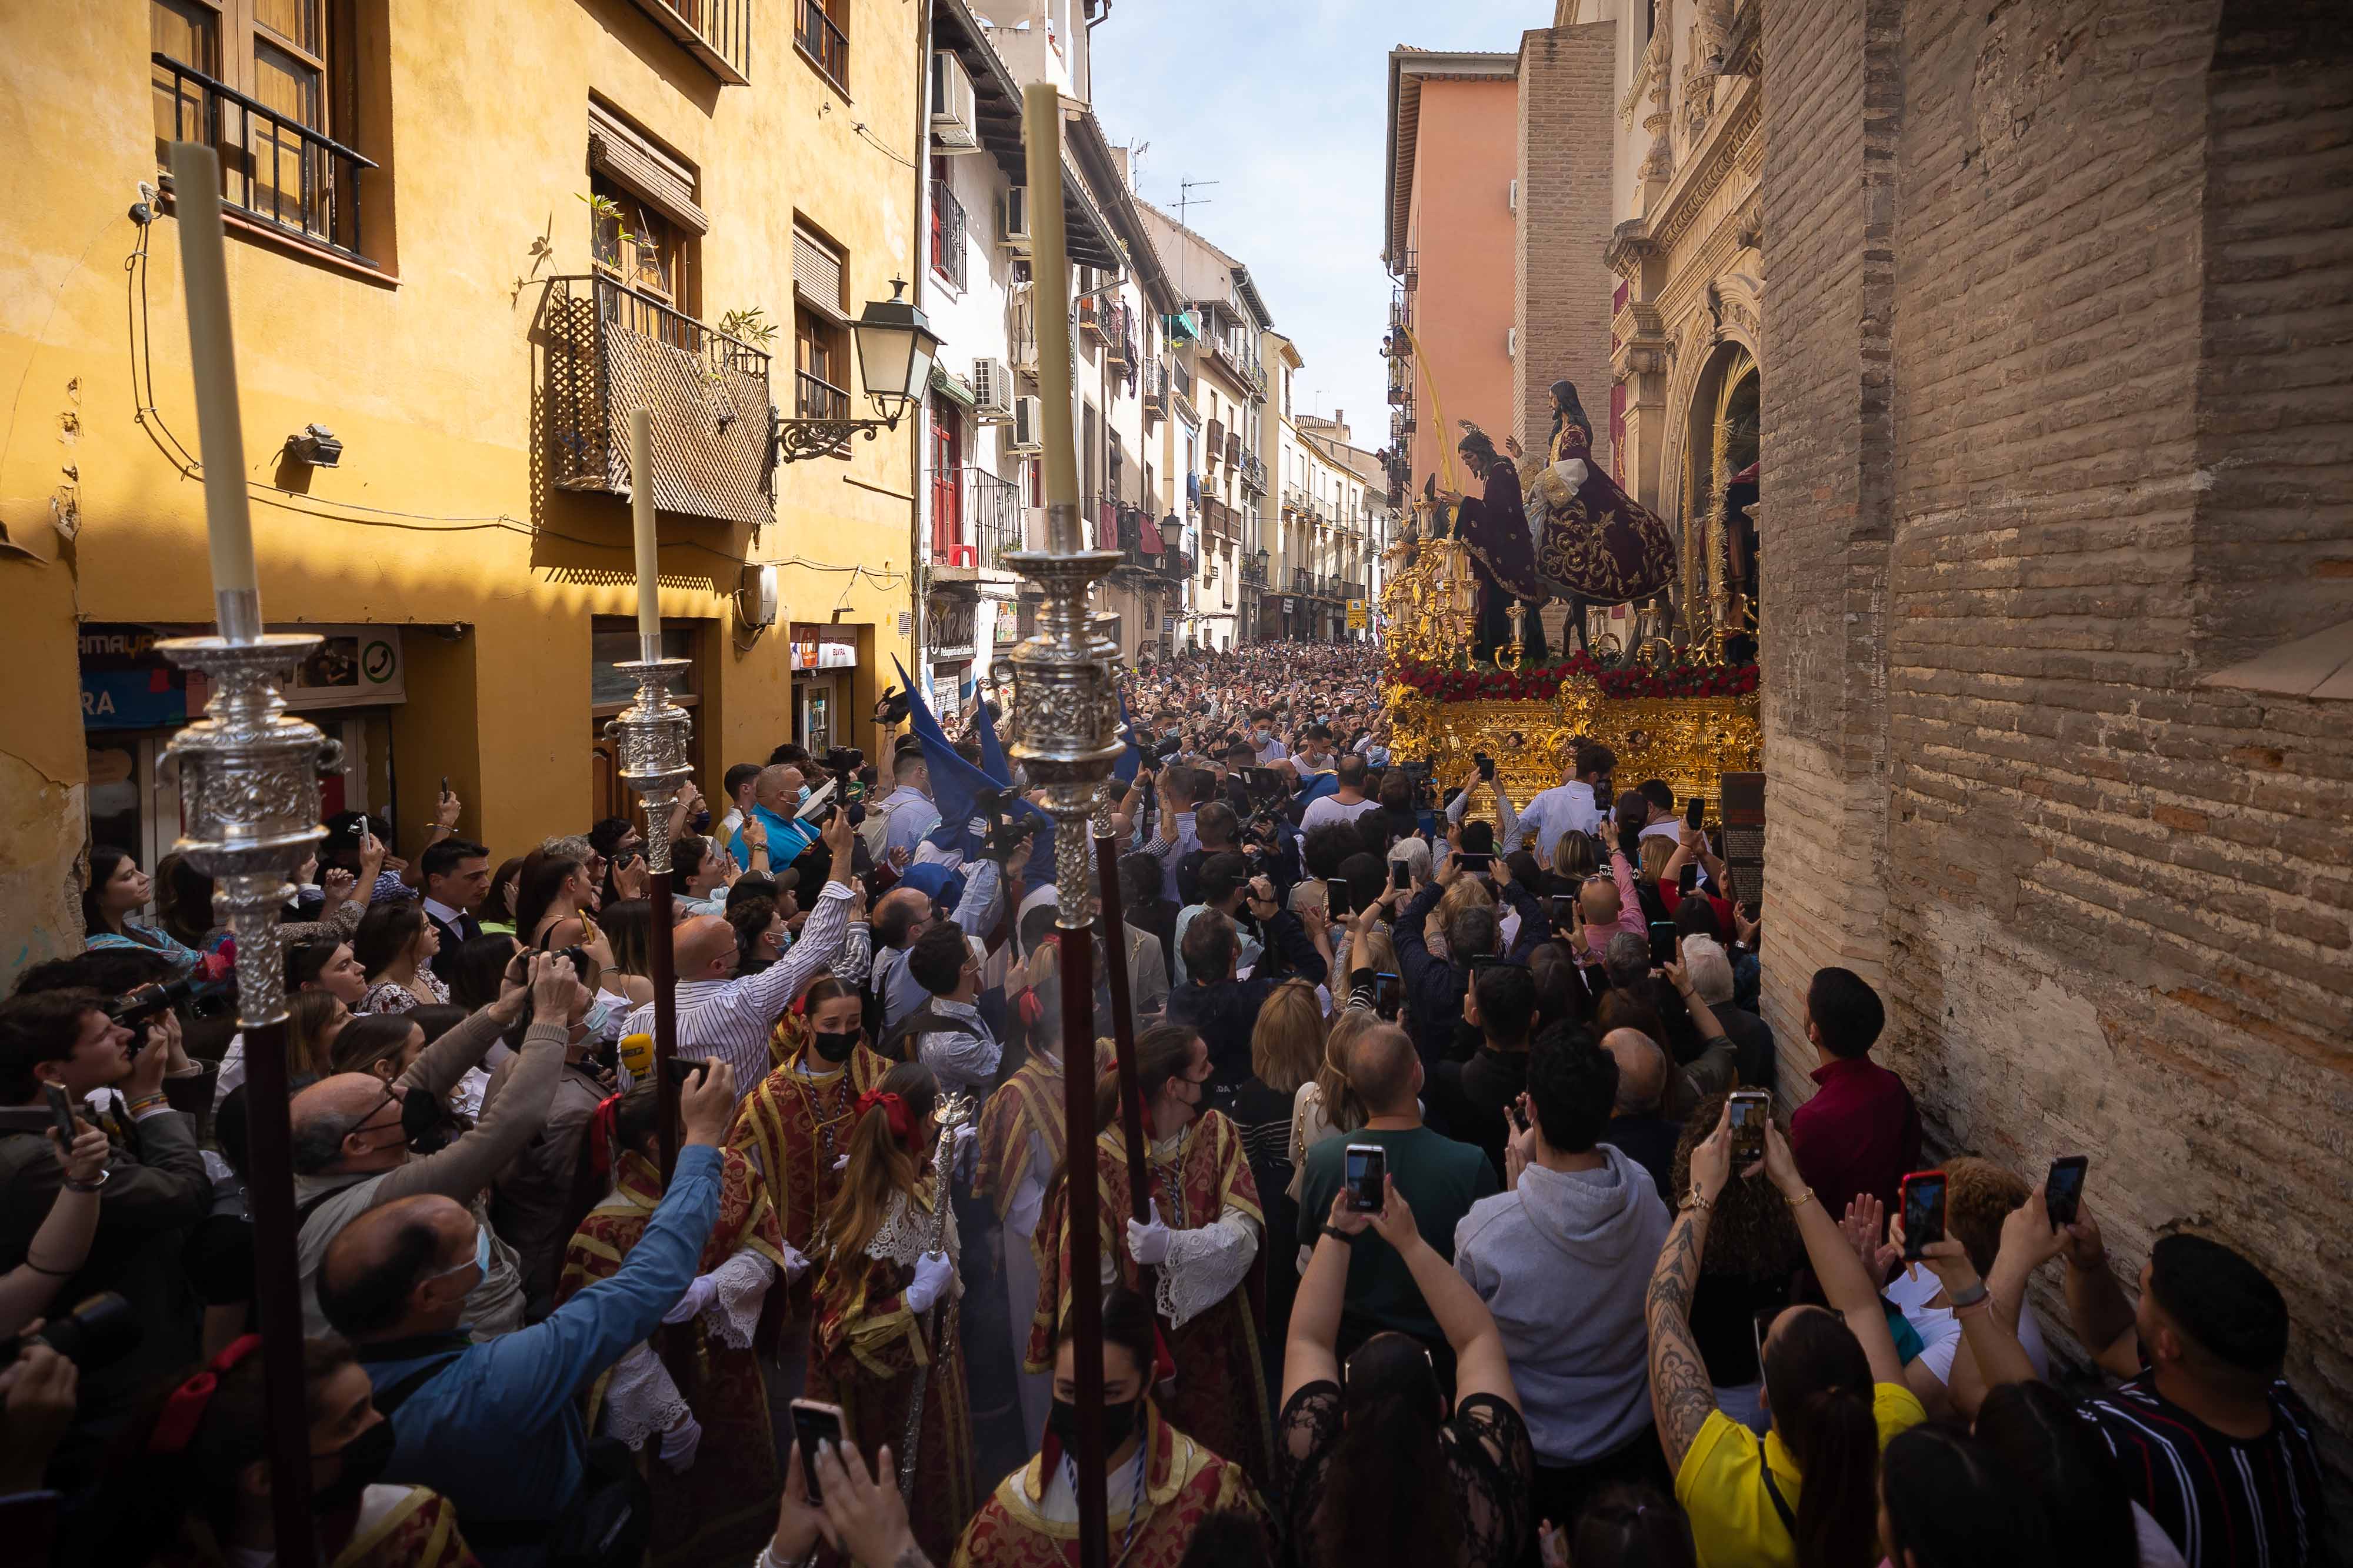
{"points": [[919, 499]]}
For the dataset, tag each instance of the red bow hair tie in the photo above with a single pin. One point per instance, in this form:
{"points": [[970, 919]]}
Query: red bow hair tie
{"points": [[177, 1424], [902, 1120], [603, 1133]]}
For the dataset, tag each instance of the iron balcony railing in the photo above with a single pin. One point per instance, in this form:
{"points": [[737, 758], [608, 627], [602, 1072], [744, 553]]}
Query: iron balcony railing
{"points": [[274, 169], [610, 350], [1254, 572], [993, 509], [716, 32], [1303, 581], [948, 232], [1155, 388], [1253, 473], [1119, 337], [814, 397], [826, 45]]}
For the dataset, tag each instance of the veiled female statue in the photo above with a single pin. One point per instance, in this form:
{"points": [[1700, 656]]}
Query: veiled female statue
{"points": [[1593, 544]]}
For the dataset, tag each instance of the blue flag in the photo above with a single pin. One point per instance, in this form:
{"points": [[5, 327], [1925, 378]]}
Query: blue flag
{"points": [[992, 754], [1131, 760], [957, 784]]}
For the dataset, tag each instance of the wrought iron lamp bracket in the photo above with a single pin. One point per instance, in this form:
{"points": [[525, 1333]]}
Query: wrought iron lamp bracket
{"points": [[793, 440]]}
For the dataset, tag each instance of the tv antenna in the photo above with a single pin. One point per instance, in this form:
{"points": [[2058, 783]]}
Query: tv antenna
{"points": [[1186, 201]]}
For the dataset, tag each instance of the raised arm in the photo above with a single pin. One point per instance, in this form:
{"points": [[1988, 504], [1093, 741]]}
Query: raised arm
{"points": [[1479, 1364], [468, 1164], [1847, 1286], [1682, 1397], [1308, 1352]]}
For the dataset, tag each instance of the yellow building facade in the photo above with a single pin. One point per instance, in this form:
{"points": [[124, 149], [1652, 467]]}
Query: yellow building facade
{"points": [[459, 251]]}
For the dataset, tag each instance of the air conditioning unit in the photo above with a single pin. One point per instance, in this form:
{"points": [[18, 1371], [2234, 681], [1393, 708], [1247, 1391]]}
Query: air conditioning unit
{"points": [[952, 113], [1028, 426], [1013, 230], [992, 391], [755, 595]]}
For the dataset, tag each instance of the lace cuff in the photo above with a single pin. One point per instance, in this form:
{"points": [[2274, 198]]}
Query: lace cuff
{"points": [[743, 1286], [640, 1400], [1204, 1266]]}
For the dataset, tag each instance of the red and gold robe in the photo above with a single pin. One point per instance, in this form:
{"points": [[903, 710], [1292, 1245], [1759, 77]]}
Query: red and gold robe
{"points": [[790, 1124], [725, 1505], [864, 1347], [394, 1527], [1184, 1484], [1220, 1397], [1029, 1102]]}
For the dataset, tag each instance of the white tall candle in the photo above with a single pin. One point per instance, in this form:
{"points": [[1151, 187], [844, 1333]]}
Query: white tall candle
{"points": [[641, 511], [212, 355], [1049, 266]]}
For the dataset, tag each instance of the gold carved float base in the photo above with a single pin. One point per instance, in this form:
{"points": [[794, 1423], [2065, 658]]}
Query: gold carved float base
{"points": [[1687, 741]]}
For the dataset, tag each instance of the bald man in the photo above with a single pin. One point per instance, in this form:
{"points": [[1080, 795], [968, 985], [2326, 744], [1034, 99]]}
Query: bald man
{"points": [[352, 1151], [776, 795], [1439, 1177], [496, 1425], [1636, 1128], [723, 1015]]}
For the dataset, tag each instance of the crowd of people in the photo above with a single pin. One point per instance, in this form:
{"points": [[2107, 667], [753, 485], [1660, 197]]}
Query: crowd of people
{"points": [[1480, 1228]]}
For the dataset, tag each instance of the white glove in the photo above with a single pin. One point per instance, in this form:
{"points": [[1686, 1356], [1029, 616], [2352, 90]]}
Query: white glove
{"points": [[795, 1264], [932, 1272], [700, 1293], [679, 1442], [1149, 1243]]}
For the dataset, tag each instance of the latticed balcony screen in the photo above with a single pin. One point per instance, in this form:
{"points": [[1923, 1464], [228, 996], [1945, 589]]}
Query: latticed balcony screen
{"points": [[610, 350]]}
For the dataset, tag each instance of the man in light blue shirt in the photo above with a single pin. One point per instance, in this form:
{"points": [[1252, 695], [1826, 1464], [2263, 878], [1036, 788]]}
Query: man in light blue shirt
{"points": [[496, 1427], [775, 798], [908, 809], [1579, 803]]}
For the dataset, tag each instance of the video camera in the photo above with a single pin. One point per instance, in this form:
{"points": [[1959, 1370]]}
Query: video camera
{"points": [[891, 709], [203, 997], [1425, 789], [99, 1330], [1005, 833], [840, 792]]}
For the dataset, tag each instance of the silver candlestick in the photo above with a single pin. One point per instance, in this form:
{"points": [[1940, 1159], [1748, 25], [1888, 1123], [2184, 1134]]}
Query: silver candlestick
{"points": [[650, 735], [1065, 715], [249, 779]]}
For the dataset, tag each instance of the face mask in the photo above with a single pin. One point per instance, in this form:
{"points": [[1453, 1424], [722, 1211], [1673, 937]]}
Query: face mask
{"points": [[1119, 1422], [600, 1013], [425, 1122], [834, 1047], [366, 1459], [804, 794]]}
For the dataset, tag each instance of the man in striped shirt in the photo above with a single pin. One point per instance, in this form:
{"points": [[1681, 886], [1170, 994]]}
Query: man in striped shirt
{"points": [[727, 1015], [2208, 1437]]}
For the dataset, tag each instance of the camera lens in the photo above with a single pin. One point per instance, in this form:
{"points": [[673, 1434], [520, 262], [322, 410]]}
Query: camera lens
{"points": [[99, 1330]]}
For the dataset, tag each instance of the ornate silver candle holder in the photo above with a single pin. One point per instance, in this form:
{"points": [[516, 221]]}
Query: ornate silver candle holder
{"points": [[1065, 713], [650, 735], [248, 778]]}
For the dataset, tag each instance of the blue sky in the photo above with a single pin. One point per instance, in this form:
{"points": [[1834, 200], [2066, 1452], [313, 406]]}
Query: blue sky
{"points": [[1281, 103]]}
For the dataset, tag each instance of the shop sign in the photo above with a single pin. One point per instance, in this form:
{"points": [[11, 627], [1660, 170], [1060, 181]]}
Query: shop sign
{"points": [[127, 685], [824, 648]]}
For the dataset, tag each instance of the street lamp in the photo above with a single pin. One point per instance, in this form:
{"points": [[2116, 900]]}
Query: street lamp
{"points": [[895, 346]]}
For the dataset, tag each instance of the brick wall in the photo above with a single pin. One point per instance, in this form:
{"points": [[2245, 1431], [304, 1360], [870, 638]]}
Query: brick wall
{"points": [[1562, 307], [2072, 432]]}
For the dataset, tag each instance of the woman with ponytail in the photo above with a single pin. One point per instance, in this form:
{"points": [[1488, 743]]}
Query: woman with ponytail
{"points": [[696, 1413], [1807, 1495], [1363, 1444], [1196, 1260], [886, 1304]]}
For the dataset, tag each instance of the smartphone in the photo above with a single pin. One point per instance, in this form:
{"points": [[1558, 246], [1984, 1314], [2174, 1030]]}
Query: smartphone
{"points": [[1475, 865], [1693, 809], [1687, 880], [1519, 1117], [1663, 941], [814, 1422], [1400, 875], [1751, 1108], [61, 1111], [2063, 1189], [1486, 765], [1388, 994], [1563, 910], [445, 786], [683, 1071], [1338, 899], [1924, 1211], [1366, 1172]]}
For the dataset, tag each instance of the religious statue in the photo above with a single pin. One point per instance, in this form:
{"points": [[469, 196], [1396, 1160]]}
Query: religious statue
{"points": [[1593, 543], [1493, 526]]}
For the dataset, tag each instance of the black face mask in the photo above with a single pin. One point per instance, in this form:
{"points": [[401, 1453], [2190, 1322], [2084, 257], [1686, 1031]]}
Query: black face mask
{"points": [[834, 1047], [425, 1122], [1119, 1422], [365, 1457]]}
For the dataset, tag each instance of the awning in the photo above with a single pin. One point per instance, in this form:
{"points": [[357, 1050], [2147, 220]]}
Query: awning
{"points": [[662, 182]]}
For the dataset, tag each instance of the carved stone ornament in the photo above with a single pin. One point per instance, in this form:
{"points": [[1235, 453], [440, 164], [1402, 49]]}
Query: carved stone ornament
{"points": [[650, 738], [249, 780]]}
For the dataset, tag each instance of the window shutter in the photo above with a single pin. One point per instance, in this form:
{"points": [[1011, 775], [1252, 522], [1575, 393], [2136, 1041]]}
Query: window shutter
{"points": [[817, 276], [663, 181]]}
